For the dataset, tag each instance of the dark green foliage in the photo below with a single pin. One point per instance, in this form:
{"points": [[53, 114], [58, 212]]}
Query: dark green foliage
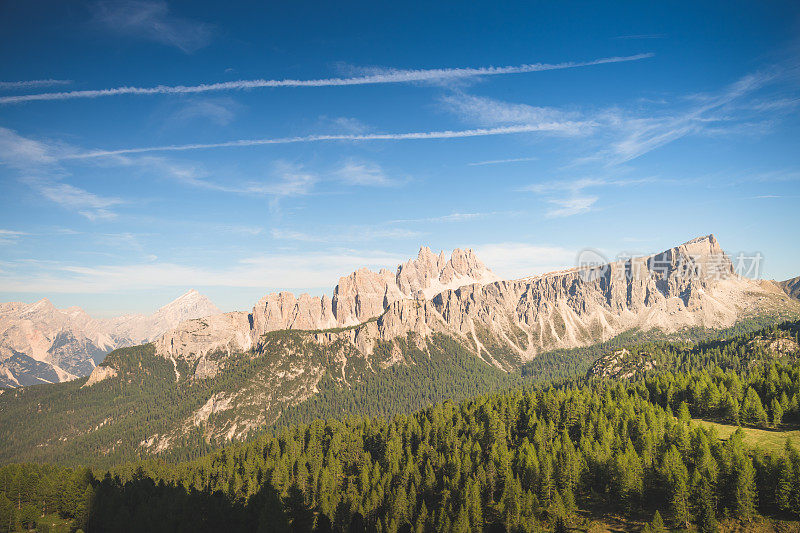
{"points": [[106, 424], [521, 460]]}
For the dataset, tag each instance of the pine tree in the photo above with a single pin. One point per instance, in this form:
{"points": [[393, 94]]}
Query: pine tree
{"points": [[752, 409], [676, 477], [777, 412], [704, 505]]}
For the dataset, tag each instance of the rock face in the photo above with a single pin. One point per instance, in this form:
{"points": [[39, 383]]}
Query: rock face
{"points": [[791, 287], [357, 298], [505, 322], [40, 343]]}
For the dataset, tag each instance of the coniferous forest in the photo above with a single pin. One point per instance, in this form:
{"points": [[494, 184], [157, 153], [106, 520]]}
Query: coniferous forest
{"points": [[554, 456]]}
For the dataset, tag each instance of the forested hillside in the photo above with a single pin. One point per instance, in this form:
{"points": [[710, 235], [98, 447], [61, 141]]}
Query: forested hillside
{"points": [[522, 460], [144, 410], [536, 457]]}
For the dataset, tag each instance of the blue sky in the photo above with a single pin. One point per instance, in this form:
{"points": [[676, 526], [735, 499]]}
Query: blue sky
{"points": [[151, 147]]}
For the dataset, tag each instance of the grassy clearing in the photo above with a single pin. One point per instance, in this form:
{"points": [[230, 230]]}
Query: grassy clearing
{"points": [[770, 440]]}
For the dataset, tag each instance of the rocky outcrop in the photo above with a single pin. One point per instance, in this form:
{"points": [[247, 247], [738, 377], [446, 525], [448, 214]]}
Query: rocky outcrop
{"points": [[41, 344], [507, 322], [99, 374], [621, 364], [193, 339]]}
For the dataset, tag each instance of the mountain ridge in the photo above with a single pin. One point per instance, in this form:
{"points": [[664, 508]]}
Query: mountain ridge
{"points": [[223, 377], [39, 341], [668, 291]]}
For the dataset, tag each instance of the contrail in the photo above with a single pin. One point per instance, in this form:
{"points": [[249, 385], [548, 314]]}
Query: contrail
{"points": [[384, 76], [29, 84], [564, 127]]}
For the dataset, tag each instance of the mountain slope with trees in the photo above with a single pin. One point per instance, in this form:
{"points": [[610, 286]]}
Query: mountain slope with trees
{"points": [[529, 459]]}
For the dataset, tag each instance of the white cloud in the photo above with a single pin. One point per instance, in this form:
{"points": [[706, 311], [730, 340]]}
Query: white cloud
{"points": [[567, 207], [502, 161], [420, 135], [515, 259], [37, 165], [152, 21], [220, 111], [342, 124], [8, 236], [30, 84], [90, 205], [346, 234], [576, 202], [271, 271], [374, 76], [356, 172], [618, 135], [454, 217], [287, 179], [490, 112], [642, 135], [578, 185], [22, 152], [291, 180]]}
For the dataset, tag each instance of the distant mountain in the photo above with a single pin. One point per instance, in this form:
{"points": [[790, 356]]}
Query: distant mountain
{"points": [[374, 319], [385, 342], [42, 344], [358, 298], [791, 287], [505, 322]]}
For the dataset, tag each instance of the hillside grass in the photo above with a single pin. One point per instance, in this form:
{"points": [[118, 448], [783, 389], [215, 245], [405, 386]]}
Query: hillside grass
{"points": [[768, 440]]}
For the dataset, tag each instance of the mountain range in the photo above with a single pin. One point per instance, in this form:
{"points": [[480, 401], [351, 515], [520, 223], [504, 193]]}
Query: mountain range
{"points": [[42, 344], [504, 322], [437, 327]]}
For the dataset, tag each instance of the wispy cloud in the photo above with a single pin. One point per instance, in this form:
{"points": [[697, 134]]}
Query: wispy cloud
{"points": [[30, 84], [90, 205], [642, 36], [577, 202], [579, 185], [567, 207], [425, 135], [364, 173], [490, 112], [36, 163], [283, 180], [152, 21], [516, 259], [454, 217], [378, 76], [8, 236], [618, 135], [220, 111], [342, 124], [287, 270], [643, 135], [349, 234], [22, 153], [501, 161]]}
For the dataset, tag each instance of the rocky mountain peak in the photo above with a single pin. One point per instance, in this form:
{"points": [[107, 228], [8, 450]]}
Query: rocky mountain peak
{"points": [[67, 343], [707, 245], [40, 307]]}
